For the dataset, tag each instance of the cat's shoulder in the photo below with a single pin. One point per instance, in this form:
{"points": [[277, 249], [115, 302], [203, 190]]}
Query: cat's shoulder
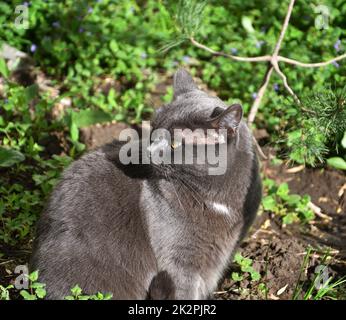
{"points": [[93, 163]]}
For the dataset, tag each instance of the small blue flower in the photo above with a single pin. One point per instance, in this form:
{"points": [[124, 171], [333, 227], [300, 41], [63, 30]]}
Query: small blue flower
{"points": [[144, 55], [6, 101], [254, 95], [335, 64], [186, 59], [56, 24], [33, 47], [132, 9], [90, 10], [26, 3], [337, 45], [234, 50], [276, 87], [81, 30]]}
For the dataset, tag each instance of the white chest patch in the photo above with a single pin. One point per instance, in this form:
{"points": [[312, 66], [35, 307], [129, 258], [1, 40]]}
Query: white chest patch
{"points": [[220, 208]]}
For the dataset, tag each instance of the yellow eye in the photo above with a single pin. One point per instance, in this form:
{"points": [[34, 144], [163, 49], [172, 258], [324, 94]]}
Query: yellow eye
{"points": [[175, 145]]}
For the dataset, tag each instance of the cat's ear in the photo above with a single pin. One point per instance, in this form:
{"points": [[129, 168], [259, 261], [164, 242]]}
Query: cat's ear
{"points": [[182, 83], [227, 118]]}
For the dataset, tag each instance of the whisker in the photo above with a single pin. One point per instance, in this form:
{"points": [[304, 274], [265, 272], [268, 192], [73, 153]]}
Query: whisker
{"points": [[195, 195], [176, 193]]}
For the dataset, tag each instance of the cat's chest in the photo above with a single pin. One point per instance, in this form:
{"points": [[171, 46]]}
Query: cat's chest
{"points": [[183, 219]]}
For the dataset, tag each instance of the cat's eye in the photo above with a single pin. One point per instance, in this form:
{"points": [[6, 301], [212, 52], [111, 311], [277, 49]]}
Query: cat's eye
{"points": [[175, 144]]}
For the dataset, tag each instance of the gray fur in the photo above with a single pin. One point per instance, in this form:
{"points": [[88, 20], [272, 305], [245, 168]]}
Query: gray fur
{"points": [[113, 228]]}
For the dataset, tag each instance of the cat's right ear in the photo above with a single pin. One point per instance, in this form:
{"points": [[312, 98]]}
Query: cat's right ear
{"points": [[182, 83], [228, 118]]}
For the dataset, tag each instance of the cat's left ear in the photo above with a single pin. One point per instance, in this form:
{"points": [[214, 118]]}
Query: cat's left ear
{"points": [[182, 83], [227, 118]]}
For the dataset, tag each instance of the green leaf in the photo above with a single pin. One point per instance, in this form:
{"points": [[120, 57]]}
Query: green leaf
{"points": [[337, 163], [9, 157], [343, 141], [247, 24], [40, 293], [99, 296], [293, 199], [308, 215], [246, 262], [74, 132], [255, 276], [238, 258], [76, 290], [31, 92], [33, 276], [247, 268], [289, 218], [108, 296], [27, 296], [236, 276], [283, 191], [269, 203], [37, 285], [3, 68], [114, 46], [269, 183]]}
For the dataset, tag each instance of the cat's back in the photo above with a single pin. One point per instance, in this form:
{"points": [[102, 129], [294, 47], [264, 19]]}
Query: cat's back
{"points": [[91, 186]]}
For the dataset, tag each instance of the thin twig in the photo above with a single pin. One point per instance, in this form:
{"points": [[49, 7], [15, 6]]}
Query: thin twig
{"points": [[284, 80], [311, 65], [257, 102], [236, 58], [318, 211], [274, 64], [284, 28], [267, 58], [259, 149]]}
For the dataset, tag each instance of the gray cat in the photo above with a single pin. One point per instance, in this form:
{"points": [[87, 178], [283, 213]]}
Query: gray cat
{"points": [[120, 228]]}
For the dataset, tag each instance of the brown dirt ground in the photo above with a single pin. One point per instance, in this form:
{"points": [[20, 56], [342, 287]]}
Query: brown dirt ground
{"points": [[278, 252]]}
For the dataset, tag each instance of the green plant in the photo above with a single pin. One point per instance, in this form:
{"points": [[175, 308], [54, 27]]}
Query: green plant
{"points": [[339, 162], [5, 292], [289, 207], [323, 114], [77, 295], [246, 268], [323, 126], [315, 289], [36, 289]]}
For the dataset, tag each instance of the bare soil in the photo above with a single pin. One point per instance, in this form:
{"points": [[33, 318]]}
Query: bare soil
{"points": [[278, 252]]}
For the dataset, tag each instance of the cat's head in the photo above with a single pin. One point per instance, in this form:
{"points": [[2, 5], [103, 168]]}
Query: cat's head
{"points": [[201, 120]]}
